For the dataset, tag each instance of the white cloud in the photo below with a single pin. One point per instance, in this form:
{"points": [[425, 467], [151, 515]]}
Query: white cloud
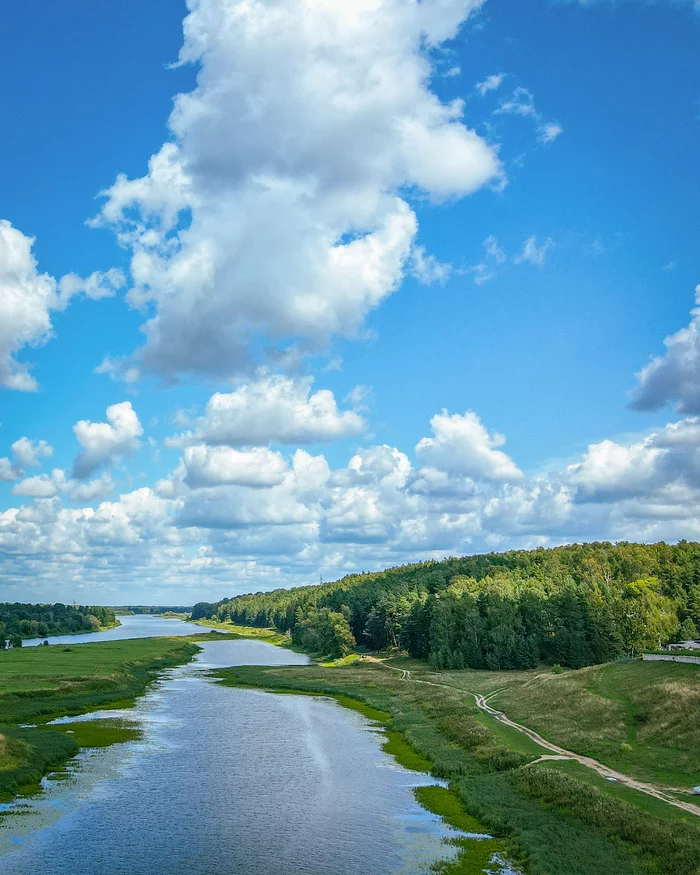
{"points": [[452, 72], [104, 441], [8, 471], [42, 485], [494, 255], [462, 446], [549, 131], [673, 378], [28, 454], [90, 491], [216, 466], [278, 209], [609, 470], [27, 298], [297, 516], [522, 103], [427, 269], [534, 254], [490, 83], [274, 409]]}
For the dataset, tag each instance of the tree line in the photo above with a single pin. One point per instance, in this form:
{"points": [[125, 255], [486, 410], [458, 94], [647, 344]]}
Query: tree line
{"points": [[19, 621], [576, 605]]}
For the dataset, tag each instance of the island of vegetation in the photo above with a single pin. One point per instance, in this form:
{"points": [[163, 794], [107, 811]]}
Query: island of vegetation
{"points": [[19, 621], [473, 664]]}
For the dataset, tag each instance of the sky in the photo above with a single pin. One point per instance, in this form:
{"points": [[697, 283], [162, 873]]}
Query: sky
{"points": [[291, 289]]}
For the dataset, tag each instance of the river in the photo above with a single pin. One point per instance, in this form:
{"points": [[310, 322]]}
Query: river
{"points": [[226, 781], [132, 626]]}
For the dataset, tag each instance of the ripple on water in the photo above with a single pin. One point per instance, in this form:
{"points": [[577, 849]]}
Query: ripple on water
{"points": [[228, 781]]}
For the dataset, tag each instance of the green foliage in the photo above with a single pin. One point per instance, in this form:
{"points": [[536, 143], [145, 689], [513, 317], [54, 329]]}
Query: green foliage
{"points": [[680, 841], [18, 621], [323, 632], [688, 630], [578, 605]]}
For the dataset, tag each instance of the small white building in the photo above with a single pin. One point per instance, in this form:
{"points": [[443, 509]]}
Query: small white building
{"points": [[685, 645]]}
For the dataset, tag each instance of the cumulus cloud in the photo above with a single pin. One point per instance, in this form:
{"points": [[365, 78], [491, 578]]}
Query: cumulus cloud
{"points": [[673, 378], [41, 485], [8, 471], [90, 491], [27, 298], [462, 446], [102, 442], [609, 470], [28, 454], [534, 254], [274, 409], [279, 209], [240, 520], [215, 466]]}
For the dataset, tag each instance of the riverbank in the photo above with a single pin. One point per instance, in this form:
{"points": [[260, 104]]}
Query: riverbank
{"points": [[38, 684], [271, 636], [551, 818]]}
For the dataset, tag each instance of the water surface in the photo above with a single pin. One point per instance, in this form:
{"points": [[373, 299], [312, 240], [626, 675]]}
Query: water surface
{"points": [[132, 626], [228, 781]]}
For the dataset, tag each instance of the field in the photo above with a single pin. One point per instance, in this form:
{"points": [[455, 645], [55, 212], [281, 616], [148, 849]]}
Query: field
{"points": [[554, 818], [40, 683], [640, 718]]}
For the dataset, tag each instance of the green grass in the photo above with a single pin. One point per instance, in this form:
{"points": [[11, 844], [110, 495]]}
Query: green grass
{"points": [[38, 684], [475, 854], [637, 717], [255, 632], [548, 824]]}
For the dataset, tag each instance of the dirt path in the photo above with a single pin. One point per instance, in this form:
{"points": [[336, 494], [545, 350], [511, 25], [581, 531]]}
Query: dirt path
{"points": [[556, 752]]}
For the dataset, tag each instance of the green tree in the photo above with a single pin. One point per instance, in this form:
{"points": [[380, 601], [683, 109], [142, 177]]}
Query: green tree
{"points": [[648, 619], [688, 630]]}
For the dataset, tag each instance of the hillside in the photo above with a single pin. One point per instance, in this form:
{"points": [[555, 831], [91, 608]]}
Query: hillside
{"points": [[576, 605]]}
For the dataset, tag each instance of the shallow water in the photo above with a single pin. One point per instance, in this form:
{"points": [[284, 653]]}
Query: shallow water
{"points": [[228, 781], [136, 626]]}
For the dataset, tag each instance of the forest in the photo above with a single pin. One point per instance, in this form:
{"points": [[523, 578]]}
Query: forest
{"points": [[576, 605], [19, 621]]}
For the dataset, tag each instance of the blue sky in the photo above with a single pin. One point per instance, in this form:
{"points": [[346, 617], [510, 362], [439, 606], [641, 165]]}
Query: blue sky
{"points": [[468, 225]]}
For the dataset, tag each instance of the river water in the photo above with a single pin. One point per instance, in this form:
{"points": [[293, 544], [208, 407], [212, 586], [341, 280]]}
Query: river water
{"points": [[227, 782], [132, 626]]}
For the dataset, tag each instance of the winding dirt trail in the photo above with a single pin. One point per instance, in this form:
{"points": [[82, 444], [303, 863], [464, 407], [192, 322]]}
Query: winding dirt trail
{"points": [[555, 751]]}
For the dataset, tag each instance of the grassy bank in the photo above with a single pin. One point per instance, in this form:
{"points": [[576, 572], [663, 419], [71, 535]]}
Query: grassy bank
{"points": [[552, 822], [271, 636], [38, 684], [640, 718]]}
